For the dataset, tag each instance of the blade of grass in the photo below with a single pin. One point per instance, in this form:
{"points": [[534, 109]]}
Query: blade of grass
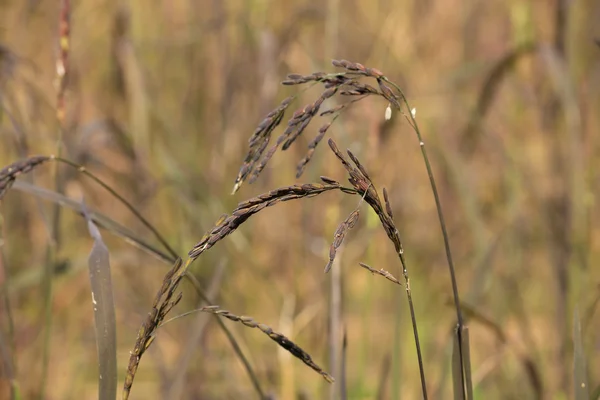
{"points": [[126, 203], [466, 360], [9, 173], [457, 379], [104, 312], [98, 218]]}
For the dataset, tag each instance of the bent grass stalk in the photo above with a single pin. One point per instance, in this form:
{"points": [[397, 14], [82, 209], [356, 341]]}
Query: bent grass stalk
{"points": [[9, 173], [463, 342], [278, 338], [347, 84], [359, 178], [166, 299]]}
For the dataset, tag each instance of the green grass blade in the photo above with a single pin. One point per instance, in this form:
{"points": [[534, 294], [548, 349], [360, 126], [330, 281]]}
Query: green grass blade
{"points": [[98, 218], [466, 360], [462, 381], [457, 372], [104, 313]]}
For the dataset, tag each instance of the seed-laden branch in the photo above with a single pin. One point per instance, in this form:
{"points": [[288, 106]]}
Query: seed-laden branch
{"points": [[345, 84], [224, 226], [349, 84], [278, 338], [360, 180], [9, 173]]}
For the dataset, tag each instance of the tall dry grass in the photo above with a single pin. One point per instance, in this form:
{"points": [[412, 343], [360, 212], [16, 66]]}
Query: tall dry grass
{"points": [[159, 102]]}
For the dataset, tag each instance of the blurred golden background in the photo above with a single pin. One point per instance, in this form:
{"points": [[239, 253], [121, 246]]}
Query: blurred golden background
{"points": [[160, 100]]}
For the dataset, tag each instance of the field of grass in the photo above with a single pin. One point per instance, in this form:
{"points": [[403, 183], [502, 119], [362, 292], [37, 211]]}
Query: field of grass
{"points": [[149, 109]]}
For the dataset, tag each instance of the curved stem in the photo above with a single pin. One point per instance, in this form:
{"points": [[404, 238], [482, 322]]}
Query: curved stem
{"points": [[129, 206], [411, 119], [413, 320]]}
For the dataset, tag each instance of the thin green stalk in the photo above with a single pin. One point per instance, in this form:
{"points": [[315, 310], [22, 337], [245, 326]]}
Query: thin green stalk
{"points": [[413, 320], [460, 322], [127, 204]]}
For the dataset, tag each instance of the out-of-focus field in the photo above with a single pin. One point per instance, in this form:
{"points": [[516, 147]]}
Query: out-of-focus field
{"points": [[161, 99]]}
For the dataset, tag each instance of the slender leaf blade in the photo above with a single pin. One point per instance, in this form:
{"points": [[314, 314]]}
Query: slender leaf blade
{"points": [[457, 371], [466, 359], [99, 219], [104, 313]]}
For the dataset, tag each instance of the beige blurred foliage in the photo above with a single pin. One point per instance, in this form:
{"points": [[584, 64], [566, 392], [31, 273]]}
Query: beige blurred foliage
{"points": [[161, 99]]}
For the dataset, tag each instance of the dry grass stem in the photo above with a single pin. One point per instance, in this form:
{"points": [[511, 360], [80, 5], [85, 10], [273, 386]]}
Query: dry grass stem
{"points": [[163, 303], [360, 180], [276, 337], [381, 272]]}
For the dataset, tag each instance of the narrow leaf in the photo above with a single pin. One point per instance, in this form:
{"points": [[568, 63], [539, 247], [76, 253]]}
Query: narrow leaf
{"points": [[466, 360], [104, 313], [99, 219], [457, 378]]}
